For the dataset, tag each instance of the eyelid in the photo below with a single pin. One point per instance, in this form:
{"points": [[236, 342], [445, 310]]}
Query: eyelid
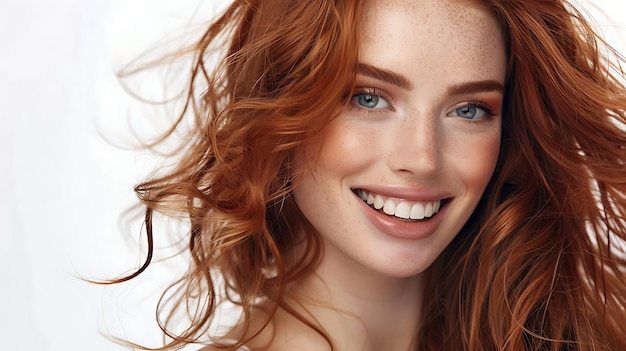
{"points": [[487, 107], [374, 91]]}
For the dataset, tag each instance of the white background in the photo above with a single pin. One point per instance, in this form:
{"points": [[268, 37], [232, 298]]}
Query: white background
{"points": [[63, 187]]}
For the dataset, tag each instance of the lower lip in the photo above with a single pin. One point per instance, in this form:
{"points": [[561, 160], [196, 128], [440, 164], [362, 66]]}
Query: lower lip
{"points": [[403, 229]]}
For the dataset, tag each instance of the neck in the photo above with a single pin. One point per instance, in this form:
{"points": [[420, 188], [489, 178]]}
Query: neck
{"points": [[360, 309]]}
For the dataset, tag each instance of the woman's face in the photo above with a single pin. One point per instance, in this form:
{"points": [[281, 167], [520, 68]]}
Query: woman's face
{"points": [[404, 166]]}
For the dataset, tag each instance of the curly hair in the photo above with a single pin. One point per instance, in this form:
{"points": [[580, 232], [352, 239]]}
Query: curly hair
{"points": [[288, 67], [540, 265]]}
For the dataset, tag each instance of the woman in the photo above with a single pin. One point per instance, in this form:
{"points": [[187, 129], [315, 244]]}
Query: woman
{"points": [[402, 175]]}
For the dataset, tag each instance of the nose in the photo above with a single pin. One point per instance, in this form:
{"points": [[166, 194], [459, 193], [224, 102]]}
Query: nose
{"points": [[416, 146]]}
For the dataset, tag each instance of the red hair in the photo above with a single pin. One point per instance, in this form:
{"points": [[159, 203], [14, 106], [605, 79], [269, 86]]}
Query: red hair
{"points": [[539, 266], [288, 67]]}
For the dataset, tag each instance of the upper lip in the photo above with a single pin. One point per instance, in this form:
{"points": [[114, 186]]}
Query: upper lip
{"points": [[407, 193]]}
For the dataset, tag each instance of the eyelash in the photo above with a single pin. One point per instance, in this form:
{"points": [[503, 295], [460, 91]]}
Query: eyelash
{"points": [[489, 112], [481, 105], [377, 92], [371, 91]]}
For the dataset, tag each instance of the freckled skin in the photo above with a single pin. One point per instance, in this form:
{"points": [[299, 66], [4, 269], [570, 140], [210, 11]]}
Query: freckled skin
{"points": [[435, 44], [416, 140], [437, 17]]}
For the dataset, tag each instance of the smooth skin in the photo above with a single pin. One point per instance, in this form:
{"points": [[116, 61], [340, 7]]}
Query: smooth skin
{"points": [[423, 127]]}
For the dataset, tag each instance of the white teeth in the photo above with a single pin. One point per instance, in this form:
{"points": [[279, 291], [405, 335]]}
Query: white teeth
{"points": [[370, 199], [417, 211], [401, 208], [378, 202], [390, 207], [428, 210]]}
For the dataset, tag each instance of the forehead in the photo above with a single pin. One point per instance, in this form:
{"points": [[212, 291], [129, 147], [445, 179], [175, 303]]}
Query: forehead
{"points": [[452, 10], [456, 33]]}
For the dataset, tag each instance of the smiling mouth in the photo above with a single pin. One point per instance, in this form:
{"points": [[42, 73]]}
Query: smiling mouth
{"points": [[400, 208]]}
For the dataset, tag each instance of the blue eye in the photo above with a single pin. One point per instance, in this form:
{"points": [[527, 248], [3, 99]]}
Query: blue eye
{"points": [[471, 111], [370, 101]]}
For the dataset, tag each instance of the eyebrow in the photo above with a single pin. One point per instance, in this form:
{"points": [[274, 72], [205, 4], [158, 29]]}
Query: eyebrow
{"points": [[403, 82], [476, 87], [384, 75]]}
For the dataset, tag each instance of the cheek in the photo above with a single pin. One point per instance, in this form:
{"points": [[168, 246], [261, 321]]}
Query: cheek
{"points": [[476, 161], [343, 149], [323, 163]]}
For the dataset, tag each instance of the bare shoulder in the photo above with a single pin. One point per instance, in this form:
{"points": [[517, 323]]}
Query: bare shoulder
{"points": [[278, 332]]}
